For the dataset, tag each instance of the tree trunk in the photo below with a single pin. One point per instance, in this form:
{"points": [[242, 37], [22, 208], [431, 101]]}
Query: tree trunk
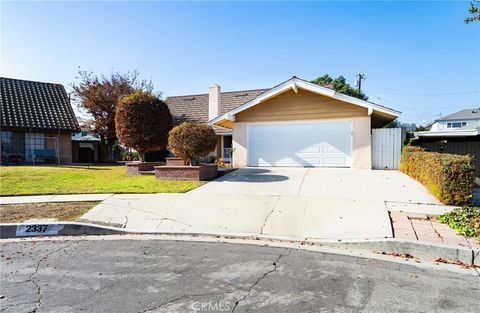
{"points": [[141, 156], [110, 156]]}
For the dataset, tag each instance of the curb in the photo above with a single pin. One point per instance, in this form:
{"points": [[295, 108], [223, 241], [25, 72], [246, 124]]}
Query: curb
{"points": [[430, 251], [22, 230]]}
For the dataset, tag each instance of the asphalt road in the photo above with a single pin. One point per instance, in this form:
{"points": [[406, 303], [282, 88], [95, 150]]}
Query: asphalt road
{"points": [[172, 276]]}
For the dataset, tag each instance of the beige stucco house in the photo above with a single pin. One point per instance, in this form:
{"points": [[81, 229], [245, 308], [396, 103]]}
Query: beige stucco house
{"points": [[297, 123]]}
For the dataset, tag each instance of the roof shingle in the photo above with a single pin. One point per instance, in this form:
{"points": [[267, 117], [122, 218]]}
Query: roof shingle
{"points": [[194, 108], [37, 105], [463, 115]]}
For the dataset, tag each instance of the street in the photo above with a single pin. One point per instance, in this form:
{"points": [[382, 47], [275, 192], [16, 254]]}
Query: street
{"points": [[176, 276]]}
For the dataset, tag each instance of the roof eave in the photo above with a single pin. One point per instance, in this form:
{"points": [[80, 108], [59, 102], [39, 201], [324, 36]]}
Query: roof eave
{"points": [[295, 83], [451, 133]]}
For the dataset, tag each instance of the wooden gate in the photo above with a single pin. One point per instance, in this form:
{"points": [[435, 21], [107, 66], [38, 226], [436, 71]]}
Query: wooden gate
{"points": [[386, 148]]}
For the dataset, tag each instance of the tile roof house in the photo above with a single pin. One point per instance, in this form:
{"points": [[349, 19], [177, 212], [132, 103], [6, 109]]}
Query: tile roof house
{"points": [[295, 123], [37, 120]]}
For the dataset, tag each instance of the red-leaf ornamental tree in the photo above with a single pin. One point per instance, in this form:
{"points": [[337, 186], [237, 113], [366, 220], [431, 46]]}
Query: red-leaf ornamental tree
{"points": [[142, 122], [99, 96], [191, 141]]}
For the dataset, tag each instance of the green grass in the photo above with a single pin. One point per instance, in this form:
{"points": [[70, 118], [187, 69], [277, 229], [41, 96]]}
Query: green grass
{"points": [[42, 180]]}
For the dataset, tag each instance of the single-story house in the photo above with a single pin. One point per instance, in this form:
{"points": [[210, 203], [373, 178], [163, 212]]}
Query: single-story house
{"points": [[296, 123], [201, 108], [37, 121], [85, 144]]}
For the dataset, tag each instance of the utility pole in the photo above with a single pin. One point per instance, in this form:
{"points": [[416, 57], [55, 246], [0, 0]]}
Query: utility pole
{"points": [[358, 83]]}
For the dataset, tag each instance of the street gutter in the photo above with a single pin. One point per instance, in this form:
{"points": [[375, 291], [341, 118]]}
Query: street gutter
{"points": [[390, 246]]}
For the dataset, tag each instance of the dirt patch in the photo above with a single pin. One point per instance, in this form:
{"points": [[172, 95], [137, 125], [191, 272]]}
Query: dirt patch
{"points": [[62, 211]]}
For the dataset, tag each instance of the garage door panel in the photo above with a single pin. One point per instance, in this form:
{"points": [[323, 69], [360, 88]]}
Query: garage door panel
{"points": [[311, 149], [334, 161], [300, 144]]}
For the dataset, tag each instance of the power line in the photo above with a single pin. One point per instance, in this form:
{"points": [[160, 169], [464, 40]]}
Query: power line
{"points": [[427, 94], [402, 106]]}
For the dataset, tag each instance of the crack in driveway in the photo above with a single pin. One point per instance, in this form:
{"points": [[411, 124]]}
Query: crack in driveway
{"points": [[301, 183], [268, 215]]}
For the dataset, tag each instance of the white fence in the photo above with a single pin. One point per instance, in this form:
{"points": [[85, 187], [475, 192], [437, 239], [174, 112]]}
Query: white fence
{"points": [[386, 148]]}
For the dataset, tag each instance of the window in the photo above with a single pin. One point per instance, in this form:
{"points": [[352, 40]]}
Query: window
{"points": [[13, 147], [33, 141], [6, 137], [456, 124]]}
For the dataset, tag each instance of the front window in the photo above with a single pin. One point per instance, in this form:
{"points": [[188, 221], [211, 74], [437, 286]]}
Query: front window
{"points": [[13, 147], [34, 144], [456, 124]]}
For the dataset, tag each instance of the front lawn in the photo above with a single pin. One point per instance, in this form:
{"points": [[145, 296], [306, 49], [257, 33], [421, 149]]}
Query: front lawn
{"points": [[38, 180], [69, 211]]}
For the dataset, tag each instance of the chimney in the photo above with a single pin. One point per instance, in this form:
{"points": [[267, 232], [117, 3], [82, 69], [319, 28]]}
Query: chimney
{"points": [[213, 102]]}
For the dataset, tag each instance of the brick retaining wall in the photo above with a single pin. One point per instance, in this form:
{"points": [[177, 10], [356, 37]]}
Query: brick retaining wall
{"points": [[202, 172], [134, 168]]}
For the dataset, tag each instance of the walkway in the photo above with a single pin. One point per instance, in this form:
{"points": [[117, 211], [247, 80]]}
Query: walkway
{"points": [[54, 198]]}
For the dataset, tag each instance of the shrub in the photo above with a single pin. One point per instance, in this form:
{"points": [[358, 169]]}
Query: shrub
{"points": [[465, 221], [191, 141], [142, 122], [449, 177]]}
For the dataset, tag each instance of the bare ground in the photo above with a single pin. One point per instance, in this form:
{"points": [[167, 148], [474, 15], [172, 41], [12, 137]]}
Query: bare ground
{"points": [[69, 211]]}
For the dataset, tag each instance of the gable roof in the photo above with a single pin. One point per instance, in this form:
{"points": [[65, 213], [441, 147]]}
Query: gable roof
{"points": [[465, 114], [37, 105], [295, 83], [194, 108]]}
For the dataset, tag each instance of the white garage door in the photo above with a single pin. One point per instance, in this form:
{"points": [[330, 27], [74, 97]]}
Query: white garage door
{"points": [[320, 144]]}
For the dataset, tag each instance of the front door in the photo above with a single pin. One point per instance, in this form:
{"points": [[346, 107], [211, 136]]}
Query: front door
{"points": [[227, 148]]}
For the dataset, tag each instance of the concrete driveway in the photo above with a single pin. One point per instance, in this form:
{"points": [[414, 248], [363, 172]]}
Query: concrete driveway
{"points": [[285, 203], [338, 183]]}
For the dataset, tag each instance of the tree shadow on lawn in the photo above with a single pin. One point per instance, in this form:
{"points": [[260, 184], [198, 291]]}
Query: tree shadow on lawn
{"points": [[95, 167]]}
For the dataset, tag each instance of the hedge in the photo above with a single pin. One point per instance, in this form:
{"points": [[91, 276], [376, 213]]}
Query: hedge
{"points": [[449, 177]]}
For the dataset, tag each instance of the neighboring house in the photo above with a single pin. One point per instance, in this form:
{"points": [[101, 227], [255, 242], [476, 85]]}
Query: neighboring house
{"points": [[36, 122], [296, 123], [457, 133], [466, 119], [85, 144]]}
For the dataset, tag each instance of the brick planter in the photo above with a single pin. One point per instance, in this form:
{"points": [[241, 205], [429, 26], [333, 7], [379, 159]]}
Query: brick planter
{"points": [[175, 162], [134, 168], [201, 172]]}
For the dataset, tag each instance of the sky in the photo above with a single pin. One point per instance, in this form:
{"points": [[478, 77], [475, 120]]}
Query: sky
{"points": [[419, 57]]}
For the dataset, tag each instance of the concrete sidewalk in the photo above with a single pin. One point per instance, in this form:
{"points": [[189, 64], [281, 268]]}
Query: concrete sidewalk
{"points": [[282, 217], [54, 198]]}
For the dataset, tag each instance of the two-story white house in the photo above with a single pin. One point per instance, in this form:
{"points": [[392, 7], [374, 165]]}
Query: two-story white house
{"points": [[464, 119], [457, 133]]}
